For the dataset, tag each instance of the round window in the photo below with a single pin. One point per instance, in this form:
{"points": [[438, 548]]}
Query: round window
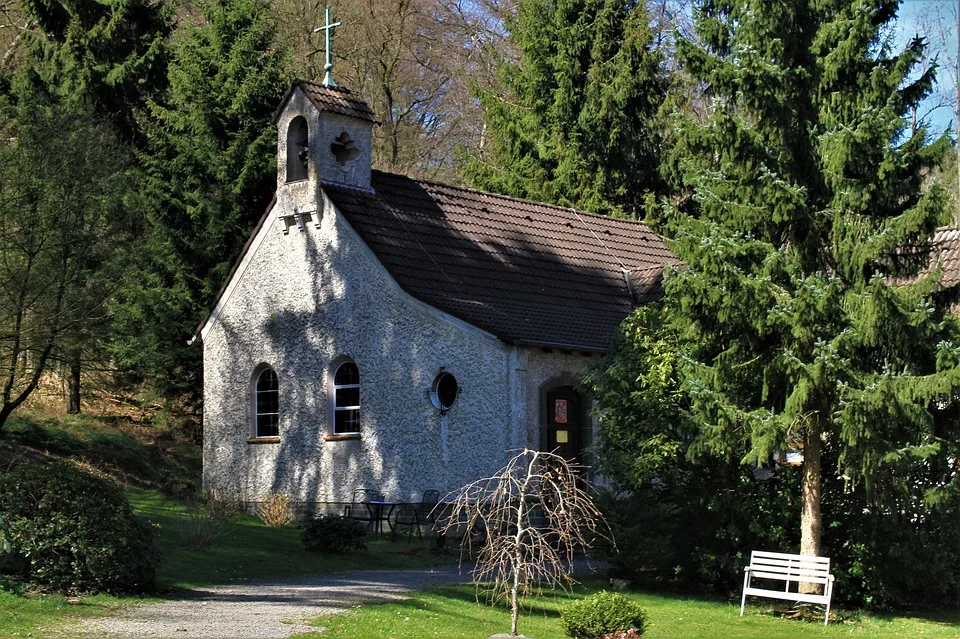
{"points": [[444, 392]]}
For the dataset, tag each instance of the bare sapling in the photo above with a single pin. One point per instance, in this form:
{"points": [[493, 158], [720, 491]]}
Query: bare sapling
{"points": [[525, 522]]}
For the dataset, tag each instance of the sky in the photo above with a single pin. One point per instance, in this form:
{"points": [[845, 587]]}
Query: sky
{"points": [[937, 21]]}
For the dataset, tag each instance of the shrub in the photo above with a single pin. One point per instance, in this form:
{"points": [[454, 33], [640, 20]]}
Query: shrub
{"points": [[601, 614], [198, 529], [694, 531], [208, 520], [5, 547], [76, 531], [334, 534], [221, 504], [274, 510]]}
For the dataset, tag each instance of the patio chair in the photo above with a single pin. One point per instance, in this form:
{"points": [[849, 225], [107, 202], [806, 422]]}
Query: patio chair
{"points": [[357, 509], [426, 510], [407, 516]]}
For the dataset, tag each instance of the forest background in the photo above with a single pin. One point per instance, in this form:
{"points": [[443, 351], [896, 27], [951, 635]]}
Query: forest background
{"points": [[139, 151]]}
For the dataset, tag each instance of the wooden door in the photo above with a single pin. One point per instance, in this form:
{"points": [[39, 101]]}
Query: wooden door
{"points": [[564, 424]]}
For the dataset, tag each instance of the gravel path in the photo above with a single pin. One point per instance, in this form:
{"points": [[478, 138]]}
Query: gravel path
{"points": [[266, 610]]}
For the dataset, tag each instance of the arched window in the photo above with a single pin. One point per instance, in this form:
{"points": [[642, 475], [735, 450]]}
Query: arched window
{"points": [[267, 403], [346, 399], [297, 149]]}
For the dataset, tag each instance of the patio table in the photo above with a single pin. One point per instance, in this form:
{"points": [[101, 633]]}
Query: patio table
{"points": [[380, 511]]}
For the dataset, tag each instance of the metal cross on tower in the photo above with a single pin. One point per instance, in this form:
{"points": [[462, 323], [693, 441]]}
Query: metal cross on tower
{"points": [[328, 67]]}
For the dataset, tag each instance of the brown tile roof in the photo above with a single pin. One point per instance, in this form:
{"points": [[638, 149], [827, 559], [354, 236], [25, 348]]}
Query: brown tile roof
{"points": [[946, 253], [529, 273], [336, 100]]}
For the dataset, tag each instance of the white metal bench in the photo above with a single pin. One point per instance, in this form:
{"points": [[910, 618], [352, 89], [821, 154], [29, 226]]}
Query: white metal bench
{"points": [[779, 566]]}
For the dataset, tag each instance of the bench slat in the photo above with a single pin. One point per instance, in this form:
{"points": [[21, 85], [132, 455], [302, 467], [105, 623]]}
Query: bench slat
{"points": [[776, 561], [784, 555], [805, 577], [789, 596], [783, 570], [794, 566], [798, 561]]}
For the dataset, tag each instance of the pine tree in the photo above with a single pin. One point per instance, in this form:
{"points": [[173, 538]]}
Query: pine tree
{"points": [[109, 54], [211, 171], [797, 319], [573, 120]]}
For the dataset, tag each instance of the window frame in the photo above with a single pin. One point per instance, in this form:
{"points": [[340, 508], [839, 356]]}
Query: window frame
{"points": [[334, 408], [255, 414], [435, 391]]}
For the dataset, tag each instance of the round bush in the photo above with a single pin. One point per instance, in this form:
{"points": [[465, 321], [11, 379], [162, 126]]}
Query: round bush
{"points": [[333, 533], [76, 531], [602, 614]]}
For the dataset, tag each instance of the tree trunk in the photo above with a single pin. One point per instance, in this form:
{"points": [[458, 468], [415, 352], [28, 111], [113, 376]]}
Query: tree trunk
{"points": [[5, 411], [811, 521], [73, 387]]}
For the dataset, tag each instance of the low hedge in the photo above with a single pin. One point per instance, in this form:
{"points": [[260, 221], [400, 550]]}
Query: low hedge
{"points": [[601, 614]]}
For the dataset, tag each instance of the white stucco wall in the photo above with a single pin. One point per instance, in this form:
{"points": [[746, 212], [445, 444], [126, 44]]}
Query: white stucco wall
{"points": [[307, 298], [300, 300]]}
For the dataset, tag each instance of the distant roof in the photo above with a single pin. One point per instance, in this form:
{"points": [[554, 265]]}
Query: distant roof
{"points": [[946, 253], [331, 99], [529, 273]]}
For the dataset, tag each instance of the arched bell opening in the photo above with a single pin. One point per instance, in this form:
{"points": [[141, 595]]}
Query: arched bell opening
{"points": [[298, 146]]}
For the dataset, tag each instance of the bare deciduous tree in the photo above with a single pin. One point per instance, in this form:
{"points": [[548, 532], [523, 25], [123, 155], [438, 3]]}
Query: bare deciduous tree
{"points": [[528, 519], [411, 60], [63, 185]]}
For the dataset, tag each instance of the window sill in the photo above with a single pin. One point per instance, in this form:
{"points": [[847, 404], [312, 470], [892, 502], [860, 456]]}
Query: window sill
{"points": [[263, 440], [342, 437]]}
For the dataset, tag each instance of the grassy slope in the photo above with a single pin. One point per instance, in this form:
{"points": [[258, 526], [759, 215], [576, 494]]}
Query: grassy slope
{"points": [[133, 454], [453, 613]]}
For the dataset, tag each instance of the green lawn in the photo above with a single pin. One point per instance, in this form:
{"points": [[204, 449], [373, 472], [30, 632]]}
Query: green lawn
{"points": [[147, 458], [252, 551], [25, 616], [453, 613]]}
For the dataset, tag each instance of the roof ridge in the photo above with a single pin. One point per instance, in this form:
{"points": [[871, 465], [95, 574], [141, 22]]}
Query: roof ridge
{"points": [[521, 200], [327, 87]]}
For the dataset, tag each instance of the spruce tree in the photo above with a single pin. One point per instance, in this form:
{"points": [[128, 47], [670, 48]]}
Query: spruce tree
{"points": [[572, 121], [798, 319], [108, 54], [211, 167]]}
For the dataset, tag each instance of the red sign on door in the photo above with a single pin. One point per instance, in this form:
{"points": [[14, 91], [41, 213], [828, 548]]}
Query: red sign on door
{"points": [[560, 411]]}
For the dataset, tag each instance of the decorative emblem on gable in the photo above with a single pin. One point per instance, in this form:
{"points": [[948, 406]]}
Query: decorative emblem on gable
{"points": [[344, 149]]}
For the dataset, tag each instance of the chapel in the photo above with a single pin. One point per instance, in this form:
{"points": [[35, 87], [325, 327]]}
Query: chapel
{"points": [[383, 332]]}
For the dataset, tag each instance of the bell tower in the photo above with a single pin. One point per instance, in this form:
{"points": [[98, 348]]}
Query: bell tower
{"points": [[324, 136]]}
